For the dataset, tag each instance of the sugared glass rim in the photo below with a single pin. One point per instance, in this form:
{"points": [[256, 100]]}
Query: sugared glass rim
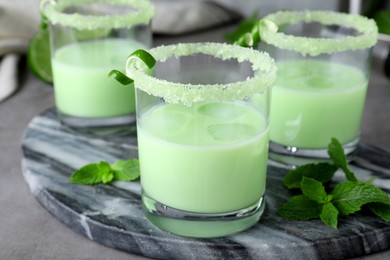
{"points": [[316, 46], [186, 93], [53, 10]]}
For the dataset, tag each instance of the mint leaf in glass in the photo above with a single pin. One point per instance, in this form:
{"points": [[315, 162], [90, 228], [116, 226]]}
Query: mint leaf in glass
{"points": [[126, 170], [349, 197], [336, 152], [90, 174], [322, 172], [313, 189], [300, 207], [329, 215]]}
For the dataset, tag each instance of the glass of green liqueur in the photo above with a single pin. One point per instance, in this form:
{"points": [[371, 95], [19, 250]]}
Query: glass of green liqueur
{"points": [[87, 39], [323, 61], [202, 126]]}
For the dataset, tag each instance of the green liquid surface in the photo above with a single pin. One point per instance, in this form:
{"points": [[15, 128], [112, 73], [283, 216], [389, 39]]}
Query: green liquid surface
{"points": [[81, 83], [313, 101], [208, 158]]}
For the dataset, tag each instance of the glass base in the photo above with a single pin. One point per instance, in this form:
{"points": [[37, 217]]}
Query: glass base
{"points": [[201, 225], [120, 125], [291, 156]]}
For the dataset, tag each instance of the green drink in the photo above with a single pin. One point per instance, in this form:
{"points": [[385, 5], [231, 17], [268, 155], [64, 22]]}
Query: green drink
{"points": [[202, 121], [89, 38], [323, 62], [82, 68], [204, 156], [313, 101]]}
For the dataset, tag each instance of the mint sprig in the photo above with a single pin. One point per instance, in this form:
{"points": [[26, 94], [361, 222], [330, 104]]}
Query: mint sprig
{"points": [[336, 152], [247, 33], [314, 190], [349, 196], [316, 201], [329, 214], [300, 207], [103, 172], [382, 19], [127, 170], [322, 172], [245, 26], [382, 211]]}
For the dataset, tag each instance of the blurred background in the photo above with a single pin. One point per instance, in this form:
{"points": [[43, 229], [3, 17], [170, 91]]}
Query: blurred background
{"points": [[19, 19]]}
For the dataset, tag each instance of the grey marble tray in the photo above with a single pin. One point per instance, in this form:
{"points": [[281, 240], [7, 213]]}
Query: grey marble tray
{"points": [[111, 214]]}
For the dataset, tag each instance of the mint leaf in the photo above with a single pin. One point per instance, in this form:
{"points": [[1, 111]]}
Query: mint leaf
{"points": [[322, 172], [107, 177], [381, 210], [300, 207], [90, 174], [313, 189], [103, 172], [329, 215], [126, 170], [349, 197], [336, 152], [244, 27], [346, 198], [382, 19]]}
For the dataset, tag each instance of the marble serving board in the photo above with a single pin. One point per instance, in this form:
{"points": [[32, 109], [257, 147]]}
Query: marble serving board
{"points": [[112, 215]]}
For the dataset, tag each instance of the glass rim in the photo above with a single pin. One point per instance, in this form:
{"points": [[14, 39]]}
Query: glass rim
{"points": [[53, 11], [315, 46], [186, 93]]}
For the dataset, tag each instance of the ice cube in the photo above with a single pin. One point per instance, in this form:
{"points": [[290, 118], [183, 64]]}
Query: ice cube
{"points": [[221, 110], [168, 119], [231, 132]]}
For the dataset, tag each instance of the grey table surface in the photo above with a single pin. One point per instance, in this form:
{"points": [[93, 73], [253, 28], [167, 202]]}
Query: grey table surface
{"points": [[29, 231]]}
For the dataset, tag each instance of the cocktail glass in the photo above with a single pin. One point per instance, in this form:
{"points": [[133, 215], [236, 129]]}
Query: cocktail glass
{"points": [[323, 61], [202, 127], [87, 39]]}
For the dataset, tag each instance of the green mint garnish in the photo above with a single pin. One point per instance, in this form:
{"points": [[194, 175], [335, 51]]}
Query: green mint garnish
{"points": [[381, 210], [336, 152], [322, 172], [382, 19], [349, 196], [313, 189], [244, 27], [329, 214], [345, 198], [300, 207], [248, 32], [103, 172], [127, 170], [90, 174]]}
